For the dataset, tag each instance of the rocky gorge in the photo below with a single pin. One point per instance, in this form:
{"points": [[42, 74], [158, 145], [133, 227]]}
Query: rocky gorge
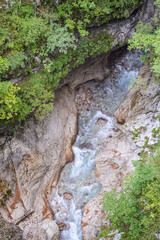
{"points": [[32, 160]]}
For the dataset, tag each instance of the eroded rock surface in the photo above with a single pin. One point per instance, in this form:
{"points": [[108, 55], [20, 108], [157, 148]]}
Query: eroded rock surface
{"points": [[144, 97], [139, 111], [112, 164], [31, 162], [50, 230]]}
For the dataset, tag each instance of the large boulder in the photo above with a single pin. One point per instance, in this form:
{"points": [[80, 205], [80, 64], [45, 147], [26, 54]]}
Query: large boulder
{"points": [[9, 231], [144, 97], [50, 230]]}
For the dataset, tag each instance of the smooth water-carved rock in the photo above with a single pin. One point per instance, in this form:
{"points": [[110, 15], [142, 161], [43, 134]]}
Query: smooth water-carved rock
{"points": [[67, 196], [49, 230], [126, 107], [31, 162], [112, 164], [142, 98]]}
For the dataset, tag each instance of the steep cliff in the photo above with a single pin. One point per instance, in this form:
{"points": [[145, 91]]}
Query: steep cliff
{"points": [[31, 162]]}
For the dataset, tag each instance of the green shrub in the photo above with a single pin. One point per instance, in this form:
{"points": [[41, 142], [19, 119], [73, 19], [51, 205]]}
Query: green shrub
{"points": [[147, 38], [37, 95], [80, 13], [10, 104], [135, 211], [52, 32], [4, 66], [58, 38], [16, 59]]}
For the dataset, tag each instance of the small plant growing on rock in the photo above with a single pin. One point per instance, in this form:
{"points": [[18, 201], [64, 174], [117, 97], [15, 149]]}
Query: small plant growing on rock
{"points": [[5, 192], [138, 131], [156, 132]]}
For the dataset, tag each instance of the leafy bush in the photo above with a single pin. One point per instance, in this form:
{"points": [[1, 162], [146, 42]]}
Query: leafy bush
{"points": [[4, 66], [59, 38], [80, 13], [10, 104], [16, 59], [5, 192], [135, 211], [37, 95], [147, 38], [52, 32]]}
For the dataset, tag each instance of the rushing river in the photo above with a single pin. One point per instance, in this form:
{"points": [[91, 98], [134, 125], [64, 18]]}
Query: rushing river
{"points": [[78, 184]]}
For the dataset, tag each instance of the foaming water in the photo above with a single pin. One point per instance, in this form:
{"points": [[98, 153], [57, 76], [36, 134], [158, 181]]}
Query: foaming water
{"points": [[78, 184]]}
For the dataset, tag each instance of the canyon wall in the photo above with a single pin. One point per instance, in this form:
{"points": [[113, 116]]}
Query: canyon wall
{"points": [[31, 161], [139, 110]]}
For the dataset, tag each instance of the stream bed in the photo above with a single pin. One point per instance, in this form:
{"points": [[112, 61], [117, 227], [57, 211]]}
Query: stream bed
{"points": [[96, 103]]}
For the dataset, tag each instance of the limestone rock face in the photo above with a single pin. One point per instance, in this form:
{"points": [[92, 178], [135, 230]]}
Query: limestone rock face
{"points": [[93, 68], [31, 162], [112, 164], [142, 98], [9, 231]]}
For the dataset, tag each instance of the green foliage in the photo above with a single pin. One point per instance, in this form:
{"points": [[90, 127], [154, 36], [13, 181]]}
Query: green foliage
{"points": [[58, 38], [137, 131], [80, 13], [91, 46], [135, 211], [10, 104], [4, 65], [156, 132], [55, 32], [5, 192], [147, 38], [16, 59], [37, 95], [21, 36]]}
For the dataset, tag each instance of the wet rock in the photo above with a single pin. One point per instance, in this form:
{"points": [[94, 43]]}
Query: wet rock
{"points": [[116, 130], [66, 227], [67, 196], [83, 96], [94, 68], [49, 230], [143, 98], [86, 145], [102, 121], [2, 141], [9, 231], [128, 104], [63, 226]]}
